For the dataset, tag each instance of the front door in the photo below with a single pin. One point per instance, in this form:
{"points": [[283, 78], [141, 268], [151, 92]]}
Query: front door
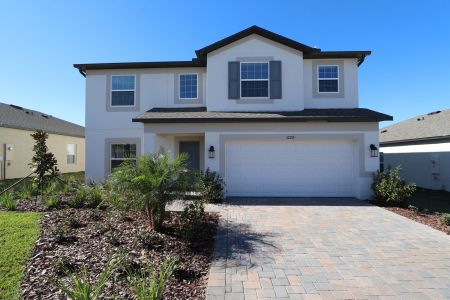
{"points": [[192, 149]]}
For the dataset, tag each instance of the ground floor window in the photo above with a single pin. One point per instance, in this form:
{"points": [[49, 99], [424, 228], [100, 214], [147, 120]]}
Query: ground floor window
{"points": [[71, 154], [121, 153], [381, 162]]}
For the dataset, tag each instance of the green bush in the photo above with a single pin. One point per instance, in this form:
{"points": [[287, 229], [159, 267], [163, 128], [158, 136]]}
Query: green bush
{"points": [[27, 191], [79, 200], [445, 218], [211, 186], [192, 219], [7, 201], [52, 201], [149, 284], [73, 222], [93, 197], [413, 208], [389, 188]]}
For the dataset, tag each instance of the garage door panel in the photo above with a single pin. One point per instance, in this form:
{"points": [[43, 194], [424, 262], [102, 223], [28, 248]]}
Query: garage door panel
{"points": [[290, 168]]}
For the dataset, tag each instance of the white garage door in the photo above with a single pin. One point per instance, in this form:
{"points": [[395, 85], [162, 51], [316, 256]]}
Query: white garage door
{"points": [[283, 169]]}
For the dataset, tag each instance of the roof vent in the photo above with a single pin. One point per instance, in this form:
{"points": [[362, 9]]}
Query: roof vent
{"points": [[16, 106], [384, 131], [434, 113], [420, 119], [46, 116]]}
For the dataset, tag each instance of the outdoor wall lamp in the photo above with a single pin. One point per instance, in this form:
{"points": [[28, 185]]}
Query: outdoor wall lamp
{"points": [[211, 152], [373, 150]]}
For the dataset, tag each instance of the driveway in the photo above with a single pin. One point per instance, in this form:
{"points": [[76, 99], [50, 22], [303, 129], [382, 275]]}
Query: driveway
{"points": [[325, 249]]}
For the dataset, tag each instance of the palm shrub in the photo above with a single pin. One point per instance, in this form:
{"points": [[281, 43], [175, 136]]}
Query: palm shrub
{"points": [[210, 185], [81, 287], [26, 191], [149, 183], [7, 201], [149, 284], [390, 189]]}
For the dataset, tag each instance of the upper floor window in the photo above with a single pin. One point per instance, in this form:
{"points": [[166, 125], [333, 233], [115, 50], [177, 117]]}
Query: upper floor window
{"points": [[123, 90], [188, 86], [71, 154], [328, 77], [254, 80]]}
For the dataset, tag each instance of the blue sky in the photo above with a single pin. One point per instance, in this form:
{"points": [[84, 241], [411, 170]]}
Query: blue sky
{"points": [[407, 74]]}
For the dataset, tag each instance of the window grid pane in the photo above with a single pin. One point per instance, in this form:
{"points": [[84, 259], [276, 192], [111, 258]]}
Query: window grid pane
{"points": [[254, 71], [328, 72], [255, 88], [122, 98], [328, 85], [123, 83], [188, 86]]}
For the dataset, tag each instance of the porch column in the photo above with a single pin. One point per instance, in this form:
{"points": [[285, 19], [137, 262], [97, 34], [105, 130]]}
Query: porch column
{"points": [[149, 143]]}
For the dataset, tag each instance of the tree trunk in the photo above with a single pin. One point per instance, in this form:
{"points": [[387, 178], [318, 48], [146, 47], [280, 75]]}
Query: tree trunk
{"points": [[150, 217]]}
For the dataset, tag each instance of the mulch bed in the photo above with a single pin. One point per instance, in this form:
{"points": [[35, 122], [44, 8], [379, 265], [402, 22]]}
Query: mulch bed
{"points": [[430, 219], [71, 238]]}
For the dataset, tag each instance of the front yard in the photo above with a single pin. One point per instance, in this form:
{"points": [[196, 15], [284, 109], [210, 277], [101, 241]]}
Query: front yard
{"points": [[18, 233], [427, 207], [113, 240]]}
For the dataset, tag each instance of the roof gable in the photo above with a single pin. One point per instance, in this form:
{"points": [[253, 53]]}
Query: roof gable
{"points": [[201, 53]]}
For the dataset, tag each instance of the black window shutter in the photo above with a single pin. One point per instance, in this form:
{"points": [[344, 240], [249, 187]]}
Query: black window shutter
{"points": [[233, 80], [275, 79]]}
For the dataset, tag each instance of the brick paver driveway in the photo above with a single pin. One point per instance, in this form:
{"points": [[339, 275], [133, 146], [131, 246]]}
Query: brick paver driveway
{"points": [[325, 249]]}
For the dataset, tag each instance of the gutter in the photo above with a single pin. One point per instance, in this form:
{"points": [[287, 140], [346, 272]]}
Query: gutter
{"points": [[83, 73], [444, 138]]}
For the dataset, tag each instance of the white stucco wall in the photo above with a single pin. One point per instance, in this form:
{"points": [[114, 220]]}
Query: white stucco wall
{"points": [[350, 97], [427, 165]]}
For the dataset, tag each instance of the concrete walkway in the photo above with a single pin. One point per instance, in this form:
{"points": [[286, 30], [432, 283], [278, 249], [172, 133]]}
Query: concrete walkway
{"points": [[325, 249]]}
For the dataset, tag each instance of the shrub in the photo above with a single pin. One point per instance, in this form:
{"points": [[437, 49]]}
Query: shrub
{"points": [[52, 201], [211, 186], [390, 189], [149, 239], [71, 186], [81, 287], [59, 234], [93, 197], [149, 183], [79, 200], [7, 201], [27, 191], [192, 218], [44, 162], [413, 208], [151, 286], [445, 218], [73, 222]]}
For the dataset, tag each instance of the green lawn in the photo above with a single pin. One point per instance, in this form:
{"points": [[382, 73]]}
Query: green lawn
{"points": [[18, 233], [437, 201]]}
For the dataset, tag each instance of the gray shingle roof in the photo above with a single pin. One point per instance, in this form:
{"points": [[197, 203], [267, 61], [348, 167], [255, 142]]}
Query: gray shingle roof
{"points": [[13, 116], [429, 126], [199, 114]]}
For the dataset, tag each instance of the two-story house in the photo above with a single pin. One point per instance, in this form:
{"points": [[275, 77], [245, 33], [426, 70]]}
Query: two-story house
{"points": [[275, 117]]}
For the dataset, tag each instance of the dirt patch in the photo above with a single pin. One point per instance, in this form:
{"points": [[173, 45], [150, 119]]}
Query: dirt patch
{"points": [[71, 238], [430, 219]]}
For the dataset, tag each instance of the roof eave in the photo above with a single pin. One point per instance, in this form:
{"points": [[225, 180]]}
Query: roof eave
{"points": [[255, 120]]}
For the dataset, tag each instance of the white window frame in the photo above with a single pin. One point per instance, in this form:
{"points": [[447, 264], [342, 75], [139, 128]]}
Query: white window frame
{"points": [[75, 154], [318, 79], [240, 79], [133, 90], [111, 158], [179, 86]]}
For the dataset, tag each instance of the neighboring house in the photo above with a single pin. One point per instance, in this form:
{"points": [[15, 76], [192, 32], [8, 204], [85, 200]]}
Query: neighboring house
{"points": [[66, 141], [275, 117], [421, 146]]}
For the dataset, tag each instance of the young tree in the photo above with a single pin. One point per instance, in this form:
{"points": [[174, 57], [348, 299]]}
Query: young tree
{"points": [[44, 162], [149, 183]]}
